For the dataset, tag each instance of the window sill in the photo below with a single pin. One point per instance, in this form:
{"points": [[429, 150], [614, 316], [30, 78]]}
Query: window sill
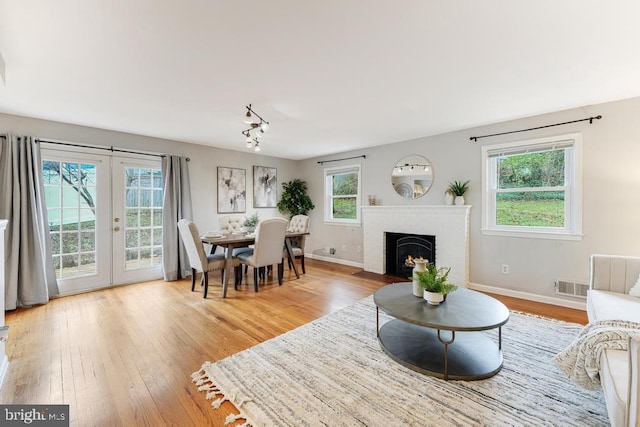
{"points": [[344, 223], [550, 235]]}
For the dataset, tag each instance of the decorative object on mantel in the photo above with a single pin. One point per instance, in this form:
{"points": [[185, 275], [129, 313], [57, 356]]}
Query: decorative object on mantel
{"points": [[419, 266], [458, 188], [372, 200], [448, 197], [433, 282], [258, 129]]}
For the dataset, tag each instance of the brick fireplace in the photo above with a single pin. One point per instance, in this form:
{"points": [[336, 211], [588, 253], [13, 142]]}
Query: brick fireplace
{"points": [[449, 225]]}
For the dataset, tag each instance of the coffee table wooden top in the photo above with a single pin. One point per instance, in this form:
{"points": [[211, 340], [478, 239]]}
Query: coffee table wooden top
{"points": [[464, 309]]}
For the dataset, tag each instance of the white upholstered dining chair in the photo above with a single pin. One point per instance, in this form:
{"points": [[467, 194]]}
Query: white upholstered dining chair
{"points": [[268, 248], [230, 223], [199, 260], [298, 224]]}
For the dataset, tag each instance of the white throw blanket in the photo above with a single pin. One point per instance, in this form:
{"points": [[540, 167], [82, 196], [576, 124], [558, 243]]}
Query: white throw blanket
{"points": [[580, 361]]}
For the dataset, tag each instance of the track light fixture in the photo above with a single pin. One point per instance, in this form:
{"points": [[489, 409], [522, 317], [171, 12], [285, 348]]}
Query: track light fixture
{"points": [[410, 169], [258, 127]]}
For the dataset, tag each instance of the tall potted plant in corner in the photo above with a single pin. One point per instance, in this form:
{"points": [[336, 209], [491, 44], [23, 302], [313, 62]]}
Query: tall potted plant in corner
{"points": [[295, 200], [458, 188]]}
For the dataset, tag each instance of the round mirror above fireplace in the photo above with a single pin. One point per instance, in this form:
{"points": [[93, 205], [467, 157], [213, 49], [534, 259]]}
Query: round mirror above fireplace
{"points": [[412, 177]]}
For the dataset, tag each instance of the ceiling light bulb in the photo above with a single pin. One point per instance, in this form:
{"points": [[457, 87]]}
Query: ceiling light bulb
{"points": [[257, 147], [247, 118], [249, 144], [260, 133], [264, 126]]}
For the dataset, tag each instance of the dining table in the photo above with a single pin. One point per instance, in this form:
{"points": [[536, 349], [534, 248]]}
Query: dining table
{"points": [[241, 240]]}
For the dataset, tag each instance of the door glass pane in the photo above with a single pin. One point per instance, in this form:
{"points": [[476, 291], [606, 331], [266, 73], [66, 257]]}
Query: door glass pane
{"points": [[143, 224], [70, 197]]}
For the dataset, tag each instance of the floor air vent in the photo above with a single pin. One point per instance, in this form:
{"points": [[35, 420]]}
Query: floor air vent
{"points": [[573, 289]]}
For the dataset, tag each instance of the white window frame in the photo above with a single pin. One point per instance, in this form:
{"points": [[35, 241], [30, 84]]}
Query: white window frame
{"points": [[573, 189], [328, 196]]}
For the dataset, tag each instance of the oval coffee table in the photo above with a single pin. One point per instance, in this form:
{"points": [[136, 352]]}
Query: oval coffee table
{"points": [[445, 341]]}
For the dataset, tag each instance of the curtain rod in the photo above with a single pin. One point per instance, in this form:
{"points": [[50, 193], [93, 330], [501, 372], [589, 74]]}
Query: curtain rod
{"points": [[321, 162], [591, 119], [112, 149]]}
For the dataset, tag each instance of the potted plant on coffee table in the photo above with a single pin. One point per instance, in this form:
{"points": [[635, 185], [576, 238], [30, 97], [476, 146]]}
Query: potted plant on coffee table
{"points": [[434, 283]]}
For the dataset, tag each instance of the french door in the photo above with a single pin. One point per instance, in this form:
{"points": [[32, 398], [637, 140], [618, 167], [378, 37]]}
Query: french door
{"points": [[105, 218]]}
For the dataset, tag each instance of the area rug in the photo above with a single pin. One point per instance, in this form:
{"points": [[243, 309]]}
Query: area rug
{"points": [[332, 372]]}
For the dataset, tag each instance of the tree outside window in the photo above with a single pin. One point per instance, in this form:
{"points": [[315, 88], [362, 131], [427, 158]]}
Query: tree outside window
{"points": [[343, 194]]}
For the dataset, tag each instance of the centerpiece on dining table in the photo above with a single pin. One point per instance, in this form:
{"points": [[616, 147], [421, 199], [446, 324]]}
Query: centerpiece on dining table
{"points": [[251, 222]]}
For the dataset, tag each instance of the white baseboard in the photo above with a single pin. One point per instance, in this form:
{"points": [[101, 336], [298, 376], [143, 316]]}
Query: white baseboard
{"points": [[4, 368], [578, 305], [335, 260]]}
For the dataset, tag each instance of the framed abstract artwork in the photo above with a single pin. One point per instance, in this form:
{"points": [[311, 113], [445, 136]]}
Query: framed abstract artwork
{"points": [[265, 186], [232, 190]]}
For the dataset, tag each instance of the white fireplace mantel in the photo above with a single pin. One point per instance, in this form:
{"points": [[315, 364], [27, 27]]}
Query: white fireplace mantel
{"points": [[450, 225]]}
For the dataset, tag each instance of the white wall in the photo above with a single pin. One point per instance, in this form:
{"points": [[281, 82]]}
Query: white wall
{"points": [[611, 164], [202, 167], [611, 157]]}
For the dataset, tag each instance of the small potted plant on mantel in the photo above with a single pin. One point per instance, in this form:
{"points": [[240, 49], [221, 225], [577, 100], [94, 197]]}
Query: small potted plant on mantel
{"points": [[250, 223], [458, 188], [434, 283]]}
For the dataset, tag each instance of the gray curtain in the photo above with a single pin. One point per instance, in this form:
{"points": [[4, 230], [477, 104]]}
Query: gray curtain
{"points": [[175, 206], [29, 274]]}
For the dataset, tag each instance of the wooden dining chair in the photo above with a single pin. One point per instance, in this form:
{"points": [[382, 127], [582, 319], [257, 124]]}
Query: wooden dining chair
{"points": [[199, 260], [267, 248], [298, 224]]}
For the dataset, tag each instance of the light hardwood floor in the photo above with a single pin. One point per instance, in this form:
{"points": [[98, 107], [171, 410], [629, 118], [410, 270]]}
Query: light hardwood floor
{"points": [[124, 355]]}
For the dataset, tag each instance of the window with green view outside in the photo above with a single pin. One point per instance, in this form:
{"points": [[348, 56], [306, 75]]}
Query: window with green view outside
{"points": [[343, 194], [533, 186], [531, 189]]}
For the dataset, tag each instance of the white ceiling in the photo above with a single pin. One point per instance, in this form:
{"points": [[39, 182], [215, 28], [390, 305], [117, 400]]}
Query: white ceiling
{"points": [[330, 75]]}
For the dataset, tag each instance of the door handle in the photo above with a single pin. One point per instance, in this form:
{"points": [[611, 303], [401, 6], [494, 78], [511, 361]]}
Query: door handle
{"points": [[116, 228]]}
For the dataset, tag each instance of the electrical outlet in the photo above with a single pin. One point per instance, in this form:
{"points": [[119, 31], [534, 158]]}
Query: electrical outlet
{"points": [[359, 249], [505, 268], [344, 248]]}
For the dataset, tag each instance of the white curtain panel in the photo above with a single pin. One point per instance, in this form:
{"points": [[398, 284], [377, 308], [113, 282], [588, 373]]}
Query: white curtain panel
{"points": [[176, 205], [29, 274]]}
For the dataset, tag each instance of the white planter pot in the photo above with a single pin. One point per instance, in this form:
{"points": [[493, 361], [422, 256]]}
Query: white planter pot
{"points": [[433, 298], [459, 200]]}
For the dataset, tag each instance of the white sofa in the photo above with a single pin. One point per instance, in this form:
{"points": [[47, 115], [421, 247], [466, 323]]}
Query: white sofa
{"points": [[608, 298]]}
